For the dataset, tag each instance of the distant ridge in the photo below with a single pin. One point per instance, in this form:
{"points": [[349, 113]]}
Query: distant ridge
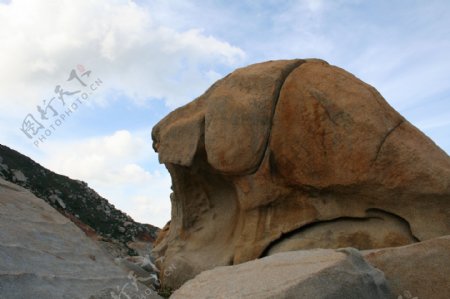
{"points": [[74, 199]]}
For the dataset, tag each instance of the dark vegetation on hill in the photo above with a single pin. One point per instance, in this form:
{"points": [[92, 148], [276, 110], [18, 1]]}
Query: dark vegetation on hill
{"points": [[74, 199]]}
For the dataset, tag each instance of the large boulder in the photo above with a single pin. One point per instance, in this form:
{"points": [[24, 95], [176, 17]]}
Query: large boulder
{"points": [[44, 255], [420, 270], [317, 273], [296, 154]]}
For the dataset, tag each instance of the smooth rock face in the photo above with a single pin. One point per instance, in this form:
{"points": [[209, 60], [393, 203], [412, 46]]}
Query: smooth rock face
{"points": [[44, 255], [320, 273], [288, 155], [419, 270]]}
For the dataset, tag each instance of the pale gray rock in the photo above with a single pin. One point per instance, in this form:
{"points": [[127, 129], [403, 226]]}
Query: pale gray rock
{"points": [[148, 278], [19, 176], [44, 255], [55, 198], [318, 273]]}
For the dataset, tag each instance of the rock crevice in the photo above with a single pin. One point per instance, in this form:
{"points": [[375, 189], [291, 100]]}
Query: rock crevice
{"points": [[385, 137], [288, 71], [377, 229]]}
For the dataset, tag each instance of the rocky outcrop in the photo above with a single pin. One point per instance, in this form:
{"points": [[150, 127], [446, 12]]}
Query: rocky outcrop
{"points": [[75, 200], [319, 273], [44, 255], [296, 154], [420, 270]]}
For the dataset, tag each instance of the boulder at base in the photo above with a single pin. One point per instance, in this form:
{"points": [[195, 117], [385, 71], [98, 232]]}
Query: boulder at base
{"points": [[318, 274], [294, 154], [420, 270], [43, 255]]}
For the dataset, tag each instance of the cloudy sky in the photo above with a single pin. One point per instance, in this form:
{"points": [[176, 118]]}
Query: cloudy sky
{"points": [[129, 63]]}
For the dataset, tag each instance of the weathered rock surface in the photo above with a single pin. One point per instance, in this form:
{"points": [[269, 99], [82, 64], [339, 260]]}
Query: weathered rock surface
{"points": [[319, 273], [373, 231], [44, 255], [287, 155], [420, 270]]}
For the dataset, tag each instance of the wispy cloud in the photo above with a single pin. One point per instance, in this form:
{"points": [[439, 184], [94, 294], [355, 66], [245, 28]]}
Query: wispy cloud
{"points": [[173, 50], [119, 40], [122, 167]]}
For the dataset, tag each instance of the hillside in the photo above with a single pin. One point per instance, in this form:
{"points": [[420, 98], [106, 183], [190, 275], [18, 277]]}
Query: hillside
{"points": [[75, 200]]}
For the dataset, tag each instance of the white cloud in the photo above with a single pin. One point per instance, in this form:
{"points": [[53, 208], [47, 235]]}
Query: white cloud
{"points": [[102, 159], [135, 56], [172, 50], [122, 167], [118, 40]]}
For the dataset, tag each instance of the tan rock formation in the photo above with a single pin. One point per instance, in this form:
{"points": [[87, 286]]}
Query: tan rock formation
{"points": [[287, 155]]}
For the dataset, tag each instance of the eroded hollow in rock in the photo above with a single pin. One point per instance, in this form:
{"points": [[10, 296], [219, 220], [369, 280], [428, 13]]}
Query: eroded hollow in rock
{"points": [[378, 229], [208, 197], [294, 154], [204, 212]]}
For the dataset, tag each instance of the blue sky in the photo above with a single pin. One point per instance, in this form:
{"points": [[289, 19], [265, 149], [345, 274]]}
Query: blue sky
{"points": [[153, 56]]}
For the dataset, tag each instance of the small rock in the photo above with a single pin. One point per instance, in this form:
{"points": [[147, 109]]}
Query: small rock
{"points": [[55, 198], [127, 223], [149, 279], [19, 176]]}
